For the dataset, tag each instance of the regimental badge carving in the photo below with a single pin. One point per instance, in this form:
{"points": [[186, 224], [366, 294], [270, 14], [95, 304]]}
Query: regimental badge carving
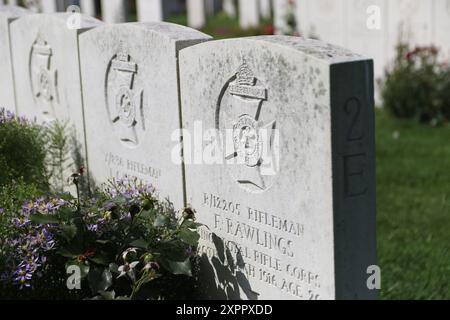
{"points": [[43, 78], [124, 98], [241, 109]]}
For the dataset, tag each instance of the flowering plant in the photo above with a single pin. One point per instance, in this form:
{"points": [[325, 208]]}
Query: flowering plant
{"points": [[22, 151], [417, 85], [122, 243]]}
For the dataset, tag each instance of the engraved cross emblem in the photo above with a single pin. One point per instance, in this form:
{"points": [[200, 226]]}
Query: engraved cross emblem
{"points": [[124, 99], [43, 77]]}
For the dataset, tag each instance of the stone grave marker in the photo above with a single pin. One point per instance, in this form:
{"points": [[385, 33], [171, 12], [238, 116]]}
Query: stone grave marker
{"points": [[7, 15], [279, 165], [229, 7], [442, 14], [131, 97], [248, 13], [410, 21], [366, 35], [323, 19], [265, 7], [196, 13], [150, 10], [114, 11], [47, 75], [88, 7]]}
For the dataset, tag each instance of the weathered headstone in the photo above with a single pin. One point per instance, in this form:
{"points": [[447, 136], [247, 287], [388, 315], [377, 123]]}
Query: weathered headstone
{"points": [[323, 19], [196, 13], [281, 11], [229, 7], [265, 7], [150, 10], [131, 98], [114, 11], [248, 13], [47, 74], [442, 14], [48, 6], [279, 153], [410, 21], [88, 7], [367, 33], [7, 15]]}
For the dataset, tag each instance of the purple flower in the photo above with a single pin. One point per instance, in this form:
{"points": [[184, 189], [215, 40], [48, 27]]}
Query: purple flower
{"points": [[23, 276]]}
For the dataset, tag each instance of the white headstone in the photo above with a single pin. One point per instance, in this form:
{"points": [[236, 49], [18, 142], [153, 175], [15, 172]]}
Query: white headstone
{"points": [[248, 13], [410, 21], [152, 10], [12, 2], [281, 10], [279, 151], [48, 6], [196, 13], [442, 27], [47, 73], [366, 31], [88, 7], [265, 8], [131, 98], [323, 19], [114, 11], [229, 6], [7, 15]]}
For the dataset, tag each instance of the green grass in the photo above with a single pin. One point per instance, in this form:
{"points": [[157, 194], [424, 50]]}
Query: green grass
{"points": [[413, 190]]}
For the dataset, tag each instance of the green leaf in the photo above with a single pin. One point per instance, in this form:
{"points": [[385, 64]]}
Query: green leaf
{"points": [[178, 268], [69, 231], [100, 279], [99, 260], [161, 221], [66, 213], [148, 214], [44, 219], [140, 243], [67, 254], [108, 295], [191, 224], [103, 241], [172, 250], [119, 200], [189, 237]]}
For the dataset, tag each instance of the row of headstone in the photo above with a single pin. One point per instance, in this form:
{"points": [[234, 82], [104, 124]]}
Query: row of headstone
{"points": [[277, 141], [116, 11], [375, 27]]}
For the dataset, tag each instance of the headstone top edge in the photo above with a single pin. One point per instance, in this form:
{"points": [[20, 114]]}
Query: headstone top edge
{"points": [[172, 31], [87, 22], [316, 48], [328, 53]]}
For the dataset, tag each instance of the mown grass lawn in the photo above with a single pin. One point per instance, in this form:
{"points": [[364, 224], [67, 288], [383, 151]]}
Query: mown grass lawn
{"points": [[413, 190]]}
